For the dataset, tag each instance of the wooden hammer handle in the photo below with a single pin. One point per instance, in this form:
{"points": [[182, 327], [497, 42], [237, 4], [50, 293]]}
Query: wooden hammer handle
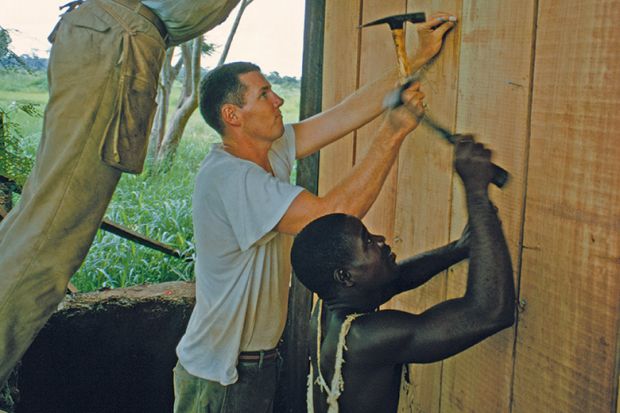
{"points": [[401, 52]]}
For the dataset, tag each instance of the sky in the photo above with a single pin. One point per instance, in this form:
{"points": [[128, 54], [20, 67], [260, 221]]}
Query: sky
{"points": [[270, 33]]}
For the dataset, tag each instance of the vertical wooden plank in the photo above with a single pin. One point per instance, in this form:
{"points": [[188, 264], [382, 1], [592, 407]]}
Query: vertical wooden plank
{"points": [[566, 357], [377, 57], [422, 215], [493, 103], [292, 388], [340, 79], [617, 401]]}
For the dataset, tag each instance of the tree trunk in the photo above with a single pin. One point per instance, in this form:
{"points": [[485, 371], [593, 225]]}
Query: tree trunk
{"points": [[188, 102], [168, 75], [163, 99]]}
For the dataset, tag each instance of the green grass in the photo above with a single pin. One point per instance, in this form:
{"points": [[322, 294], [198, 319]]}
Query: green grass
{"points": [[156, 206], [22, 81]]}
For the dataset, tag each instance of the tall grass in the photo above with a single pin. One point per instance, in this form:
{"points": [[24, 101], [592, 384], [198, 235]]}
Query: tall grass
{"points": [[158, 206]]}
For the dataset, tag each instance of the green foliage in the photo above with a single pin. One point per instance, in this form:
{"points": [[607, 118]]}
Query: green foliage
{"points": [[7, 57], [5, 42], [284, 81], [156, 206], [15, 162], [207, 48]]}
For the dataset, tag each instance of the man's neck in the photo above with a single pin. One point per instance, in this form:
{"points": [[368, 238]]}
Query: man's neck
{"points": [[351, 305], [249, 149]]}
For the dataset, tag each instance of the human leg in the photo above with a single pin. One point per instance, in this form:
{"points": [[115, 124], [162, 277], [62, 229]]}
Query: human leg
{"points": [[47, 235]]}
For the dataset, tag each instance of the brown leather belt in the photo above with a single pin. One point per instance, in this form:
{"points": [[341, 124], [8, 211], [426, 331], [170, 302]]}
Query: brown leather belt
{"points": [[145, 12], [263, 355]]}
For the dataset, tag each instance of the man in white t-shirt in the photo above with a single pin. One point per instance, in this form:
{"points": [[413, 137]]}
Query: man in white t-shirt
{"points": [[243, 202]]}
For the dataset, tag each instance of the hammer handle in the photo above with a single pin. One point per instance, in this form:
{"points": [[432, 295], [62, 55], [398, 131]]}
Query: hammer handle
{"points": [[500, 175], [393, 100], [398, 35]]}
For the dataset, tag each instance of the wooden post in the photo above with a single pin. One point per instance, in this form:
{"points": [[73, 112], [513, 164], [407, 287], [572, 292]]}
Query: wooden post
{"points": [[292, 390]]}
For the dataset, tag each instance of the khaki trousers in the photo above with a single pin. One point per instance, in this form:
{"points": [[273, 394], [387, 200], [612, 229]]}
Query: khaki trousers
{"points": [[253, 392], [102, 73]]}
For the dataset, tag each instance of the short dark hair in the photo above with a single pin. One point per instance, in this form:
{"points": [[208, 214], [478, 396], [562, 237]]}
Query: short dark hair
{"points": [[321, 248], [220, 86]]}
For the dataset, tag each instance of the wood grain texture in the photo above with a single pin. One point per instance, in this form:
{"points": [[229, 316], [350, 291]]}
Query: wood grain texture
{"points": [[493, 103], [538, 81], [422, 214], [566, 354], [377, 57], [340, 79]]}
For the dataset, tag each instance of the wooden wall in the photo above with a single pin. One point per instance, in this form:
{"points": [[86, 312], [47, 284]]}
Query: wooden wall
{"points": [[539, 82]]}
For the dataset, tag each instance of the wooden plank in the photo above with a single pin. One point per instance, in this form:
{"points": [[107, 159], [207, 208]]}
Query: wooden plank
{"points": [[617, 401], [566, 353], [377, 57], [340, 79], [292, 387], [493, 103], [138, 238], [422, 214]]}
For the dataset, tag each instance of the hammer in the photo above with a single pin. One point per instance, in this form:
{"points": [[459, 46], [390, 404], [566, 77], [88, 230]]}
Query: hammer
{"points": [[393, 99], [396, 24]]}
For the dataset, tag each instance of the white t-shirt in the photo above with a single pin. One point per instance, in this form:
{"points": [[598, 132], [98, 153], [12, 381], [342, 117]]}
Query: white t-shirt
{"points": [[186, 19], [241, 290]]}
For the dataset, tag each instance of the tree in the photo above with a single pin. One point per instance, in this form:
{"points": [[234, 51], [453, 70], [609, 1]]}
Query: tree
{"points": [[165, 140], [169, 74], [7, 57], [15, 164], [191, 53], [233, 30]]}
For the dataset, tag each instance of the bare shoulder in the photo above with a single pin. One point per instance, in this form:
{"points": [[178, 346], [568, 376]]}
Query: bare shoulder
{"points": [[378, 337]]}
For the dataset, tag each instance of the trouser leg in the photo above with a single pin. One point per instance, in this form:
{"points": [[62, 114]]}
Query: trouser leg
{"points": [[46, 236], [254, 391]]}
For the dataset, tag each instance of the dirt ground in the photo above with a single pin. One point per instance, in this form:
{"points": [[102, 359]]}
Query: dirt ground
{"points": [[109, 351]]}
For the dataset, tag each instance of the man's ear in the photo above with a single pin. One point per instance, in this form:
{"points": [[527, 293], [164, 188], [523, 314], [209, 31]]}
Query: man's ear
{"points": [[230, 115], [343, 277]]}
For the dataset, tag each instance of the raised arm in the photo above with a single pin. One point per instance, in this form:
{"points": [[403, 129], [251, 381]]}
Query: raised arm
{"points": [[365, 104], [357, 191], [488, 304], [417, 270]]}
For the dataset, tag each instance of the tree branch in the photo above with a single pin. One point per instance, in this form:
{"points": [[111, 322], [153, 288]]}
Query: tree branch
{"points": [[233, 31]]}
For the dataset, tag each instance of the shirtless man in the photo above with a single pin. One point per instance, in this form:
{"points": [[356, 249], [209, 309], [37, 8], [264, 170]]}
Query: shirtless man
{"points": [[354, 272]]}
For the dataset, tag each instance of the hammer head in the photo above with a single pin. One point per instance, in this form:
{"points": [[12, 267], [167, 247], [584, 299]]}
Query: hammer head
{"points": [[398, 21]]}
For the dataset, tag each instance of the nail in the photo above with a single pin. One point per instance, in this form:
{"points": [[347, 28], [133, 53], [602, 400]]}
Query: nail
{"points": [[452, 18]]}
